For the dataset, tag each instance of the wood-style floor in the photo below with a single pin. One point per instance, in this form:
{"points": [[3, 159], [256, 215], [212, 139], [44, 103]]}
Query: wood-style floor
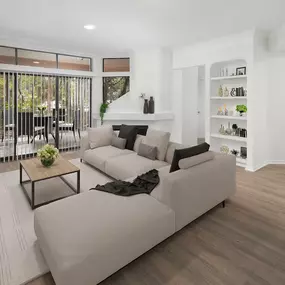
{"points": [[242, 244]]}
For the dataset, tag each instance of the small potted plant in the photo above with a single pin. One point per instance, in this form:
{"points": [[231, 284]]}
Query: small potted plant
{"points": [[103, 110], [48, 155], [241, 109]]}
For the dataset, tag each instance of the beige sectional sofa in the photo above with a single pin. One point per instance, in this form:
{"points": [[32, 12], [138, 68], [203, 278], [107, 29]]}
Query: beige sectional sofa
{"points": [[88, 237]]}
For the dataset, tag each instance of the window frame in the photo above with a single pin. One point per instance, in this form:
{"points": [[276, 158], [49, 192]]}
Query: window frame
{"points": [[106, 72], [57, 54]]}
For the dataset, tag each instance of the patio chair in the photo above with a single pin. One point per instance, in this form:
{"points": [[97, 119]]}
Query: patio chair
{"points": [[8, 122]]}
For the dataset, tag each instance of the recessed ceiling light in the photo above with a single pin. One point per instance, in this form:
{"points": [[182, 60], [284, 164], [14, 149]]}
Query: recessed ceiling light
{"points": [[90, 27], [36, 62]]}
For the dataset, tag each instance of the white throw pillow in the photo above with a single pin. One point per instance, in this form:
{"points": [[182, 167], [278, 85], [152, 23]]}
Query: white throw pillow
{"points": [[159, 139], [101, 136]]}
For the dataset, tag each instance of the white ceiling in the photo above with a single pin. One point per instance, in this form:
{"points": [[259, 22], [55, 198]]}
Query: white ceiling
{"points": [[126, 24]]}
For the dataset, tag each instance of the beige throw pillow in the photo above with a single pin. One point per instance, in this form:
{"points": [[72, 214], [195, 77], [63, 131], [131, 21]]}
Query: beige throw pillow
{"points": [[99, 137], [159, 139], [195, 160]]}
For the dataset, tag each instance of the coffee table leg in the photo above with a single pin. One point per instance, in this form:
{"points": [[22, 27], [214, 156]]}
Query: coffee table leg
{"points": [[33, 196], [78, 182], [21, 173]]}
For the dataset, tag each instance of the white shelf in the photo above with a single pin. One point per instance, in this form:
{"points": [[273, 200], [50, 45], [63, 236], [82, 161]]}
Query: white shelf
{"points": [[229, 77], [229, 98], [239, 118], [232, 138]]}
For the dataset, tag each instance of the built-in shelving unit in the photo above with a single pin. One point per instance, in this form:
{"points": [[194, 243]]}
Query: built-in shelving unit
{"points": [[231, 138], [229, 98], [219, 78], [238, 118], [223, 113]]}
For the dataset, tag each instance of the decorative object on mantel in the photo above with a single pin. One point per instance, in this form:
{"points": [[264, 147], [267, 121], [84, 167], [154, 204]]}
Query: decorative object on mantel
{"points": [[242, 109], [226, 92], [241, 71], [103, 110], [243, 152], [48, 155], [142, 95], [234, 152], [233, 92], [224, 149], [145, 106], [220, 91], [151, 105]]}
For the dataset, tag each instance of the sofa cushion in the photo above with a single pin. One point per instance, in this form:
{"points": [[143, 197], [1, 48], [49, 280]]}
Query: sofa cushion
{"points": [[147, 151], [118, 142], [87, 237], [138, 141], [101, 136], [159, 139], [171, 149], [129, 133], [98, 156], [187, 152], [195, 160], [133, 165]]}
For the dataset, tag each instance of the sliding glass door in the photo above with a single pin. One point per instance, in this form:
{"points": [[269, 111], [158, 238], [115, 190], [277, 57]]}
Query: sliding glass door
{"points": [[36, 109]]}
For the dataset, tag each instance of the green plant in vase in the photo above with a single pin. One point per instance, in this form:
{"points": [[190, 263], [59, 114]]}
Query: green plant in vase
{"points": [[241, 109], [103, 110], [48, 154]]}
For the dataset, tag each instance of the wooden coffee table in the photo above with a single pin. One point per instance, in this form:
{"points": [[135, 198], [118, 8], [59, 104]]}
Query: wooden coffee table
{"points": [[37, 172]]}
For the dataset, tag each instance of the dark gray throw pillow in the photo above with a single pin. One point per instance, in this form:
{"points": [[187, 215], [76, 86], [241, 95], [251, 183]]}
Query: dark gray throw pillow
{"points": [[130, 134], [118, 142], [187, 152], [147, 151]]}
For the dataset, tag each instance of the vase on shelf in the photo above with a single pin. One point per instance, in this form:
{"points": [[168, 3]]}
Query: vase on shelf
{"points": [[222, 130], [145, 106], [220, 91], [233, 92], [228, 131], [151, 105], [226, 92]]}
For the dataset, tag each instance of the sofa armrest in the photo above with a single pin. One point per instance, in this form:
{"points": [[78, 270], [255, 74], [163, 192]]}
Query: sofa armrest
{"points": [[194, 191], [84, 145]]}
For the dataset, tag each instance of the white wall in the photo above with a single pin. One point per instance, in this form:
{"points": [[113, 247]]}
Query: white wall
{"points": [[190, 89], [201, 102], [276, 111], [150, 74]]}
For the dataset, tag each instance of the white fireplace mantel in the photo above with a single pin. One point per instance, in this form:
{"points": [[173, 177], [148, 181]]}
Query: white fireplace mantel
{"points": [[164, 116]]}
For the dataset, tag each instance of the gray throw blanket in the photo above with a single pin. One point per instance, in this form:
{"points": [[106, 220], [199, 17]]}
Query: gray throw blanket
{"points": [[143, 184]]}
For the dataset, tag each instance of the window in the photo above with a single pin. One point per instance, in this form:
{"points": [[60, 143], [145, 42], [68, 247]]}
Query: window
{"points": [[7, 55], [74, 63], [18, 56], [115, 87], [116, 65], [35, 58]]}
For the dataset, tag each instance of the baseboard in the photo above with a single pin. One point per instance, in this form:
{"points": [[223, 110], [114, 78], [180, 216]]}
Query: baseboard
{"points": [[268, 162], [276, 162]]}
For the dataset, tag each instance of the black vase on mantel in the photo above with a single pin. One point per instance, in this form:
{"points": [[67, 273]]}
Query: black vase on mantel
{"points": [[151, 105], [145, 106]]}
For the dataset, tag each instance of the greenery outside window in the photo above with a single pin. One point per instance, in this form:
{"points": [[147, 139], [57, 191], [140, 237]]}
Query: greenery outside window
{"points": [[115, 87]]}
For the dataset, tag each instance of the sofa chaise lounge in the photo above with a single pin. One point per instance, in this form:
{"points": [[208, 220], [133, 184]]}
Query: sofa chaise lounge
{"points": [[88, 237]]}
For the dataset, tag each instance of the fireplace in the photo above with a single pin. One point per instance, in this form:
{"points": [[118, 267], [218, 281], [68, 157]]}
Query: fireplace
{"points": [[142, 129]]}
